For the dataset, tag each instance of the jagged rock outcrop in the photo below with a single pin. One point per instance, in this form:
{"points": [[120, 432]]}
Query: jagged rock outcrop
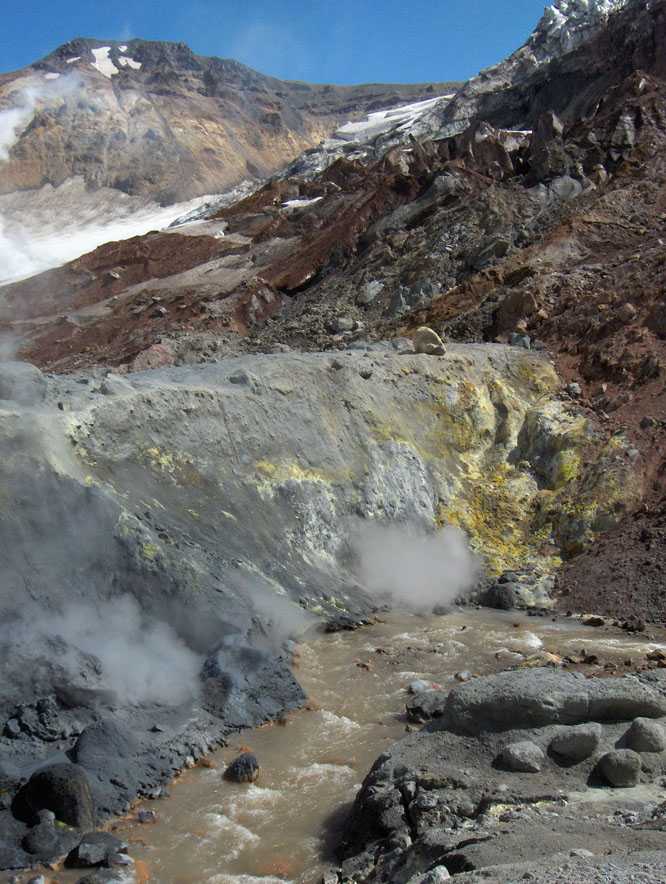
{"points": [[483, 788]]}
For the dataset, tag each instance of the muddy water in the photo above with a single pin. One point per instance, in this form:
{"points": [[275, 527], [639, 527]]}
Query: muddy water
{"points": [[281, 828]]}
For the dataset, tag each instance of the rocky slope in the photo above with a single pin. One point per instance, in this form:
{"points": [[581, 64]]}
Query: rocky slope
{"points": [[534, 775], [168, 533], [201, 472]]}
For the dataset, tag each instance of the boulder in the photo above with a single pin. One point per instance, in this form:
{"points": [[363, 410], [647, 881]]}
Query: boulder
{"points": [[426, 705], [620, 768], [62, 788], [646, 735], [429, 342], [577, 743], [96, 849], [47, 842], [499, 596], [244, 769], [522, 757], [539, 697]]}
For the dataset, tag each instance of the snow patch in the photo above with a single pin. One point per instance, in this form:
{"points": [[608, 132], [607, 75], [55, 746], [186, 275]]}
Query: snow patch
{"points": [[401, 118], [72, 60], [103, 63], [300, 204], [122, 48], [128, 62], [51, 76]]}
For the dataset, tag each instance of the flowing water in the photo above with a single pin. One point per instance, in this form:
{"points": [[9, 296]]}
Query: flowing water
{"points": [[282, 828]]}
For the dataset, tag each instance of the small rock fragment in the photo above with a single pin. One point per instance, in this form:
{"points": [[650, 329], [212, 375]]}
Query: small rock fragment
{"points": [[244, 769], [522, 757], [429, 342]]}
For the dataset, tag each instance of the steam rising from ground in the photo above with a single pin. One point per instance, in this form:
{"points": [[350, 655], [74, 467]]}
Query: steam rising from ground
{"points": [[110, 645], [412, 569], [84, 220]]}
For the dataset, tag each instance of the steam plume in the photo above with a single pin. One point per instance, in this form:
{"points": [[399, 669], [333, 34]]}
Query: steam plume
{"points": [[412, 569]]}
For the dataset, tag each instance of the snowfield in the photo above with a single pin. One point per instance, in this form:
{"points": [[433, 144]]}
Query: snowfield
{"points": [[401, 118]]}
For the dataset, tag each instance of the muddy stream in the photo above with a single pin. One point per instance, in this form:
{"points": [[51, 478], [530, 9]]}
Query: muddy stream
{"points": [[282, 828]]}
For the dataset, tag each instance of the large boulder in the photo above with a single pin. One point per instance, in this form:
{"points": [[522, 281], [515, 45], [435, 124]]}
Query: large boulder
{"points": [[540, 697], [574, 744], [620, 768], [61, 788], [646, 735]]}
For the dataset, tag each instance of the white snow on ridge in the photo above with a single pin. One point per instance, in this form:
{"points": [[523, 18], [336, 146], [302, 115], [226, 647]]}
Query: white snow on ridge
{"points": [[51, 76], [125, 61], [300, 204], [401, 118], [72, 60], [122, 48], [103, 63]]}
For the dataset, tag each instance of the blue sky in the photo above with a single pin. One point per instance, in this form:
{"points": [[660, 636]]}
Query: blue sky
{"points": [[339, 41]]}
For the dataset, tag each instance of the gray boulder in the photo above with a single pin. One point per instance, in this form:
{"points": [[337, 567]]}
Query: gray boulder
{"points": [[646, 735], [539, 697], [577, 743], [620, 768], [522, 757], [96, 849], [62, 788]]}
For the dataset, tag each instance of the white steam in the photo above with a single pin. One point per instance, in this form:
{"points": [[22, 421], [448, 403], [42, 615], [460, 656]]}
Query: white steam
{"points": [[139, 659], [34, 94], [412, 569]]}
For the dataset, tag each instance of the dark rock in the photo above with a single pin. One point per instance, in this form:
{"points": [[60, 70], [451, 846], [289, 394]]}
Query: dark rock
{"points": [[646, 735], [244, 769], [247, 686], [499, 596], [577, 743], [62, 788], [47, 842], [426, 705], [620, 768], [593, 621], [14, 858], [95, 849], [522, 757]]}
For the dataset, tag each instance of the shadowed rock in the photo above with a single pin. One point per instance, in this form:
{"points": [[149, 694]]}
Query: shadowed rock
{"points": [[61, 788]]}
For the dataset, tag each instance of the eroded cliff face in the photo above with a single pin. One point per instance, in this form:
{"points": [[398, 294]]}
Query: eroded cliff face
{"points": [[224, 490]]}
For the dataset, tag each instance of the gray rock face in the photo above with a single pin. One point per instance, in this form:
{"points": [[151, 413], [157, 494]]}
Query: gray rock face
{"points": [[620, 768], [524, 757], [534, 698], [645, 735], [61, 788], [576, 743]]}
